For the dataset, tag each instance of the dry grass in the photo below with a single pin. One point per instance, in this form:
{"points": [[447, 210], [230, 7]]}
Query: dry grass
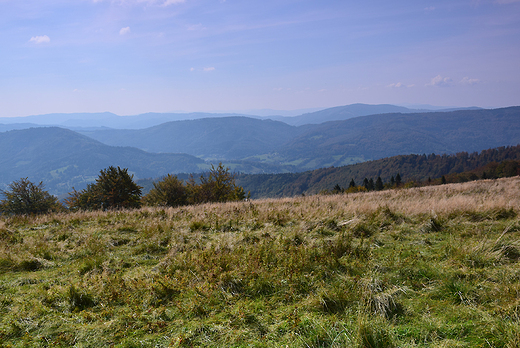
{"points": [[422, 267]]}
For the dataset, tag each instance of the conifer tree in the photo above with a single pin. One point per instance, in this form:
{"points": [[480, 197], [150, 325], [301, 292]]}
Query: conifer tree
{"points": [[337, 189], [379, 184], [371, 185], [398, 180], [114, 189]]}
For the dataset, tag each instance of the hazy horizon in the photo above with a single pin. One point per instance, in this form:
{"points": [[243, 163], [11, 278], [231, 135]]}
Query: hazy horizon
{"points": [[263, 112]]}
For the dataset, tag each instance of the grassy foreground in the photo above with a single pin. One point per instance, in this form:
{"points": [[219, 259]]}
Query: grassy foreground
{"points": [[426, 267]]}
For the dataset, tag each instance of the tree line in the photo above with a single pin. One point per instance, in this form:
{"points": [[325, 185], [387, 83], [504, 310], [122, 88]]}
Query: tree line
{"points": [[493, 170], [115, 188], [367, 185]]}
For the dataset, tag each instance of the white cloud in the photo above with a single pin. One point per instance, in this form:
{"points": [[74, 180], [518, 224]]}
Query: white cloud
{"points": [[440, 81], [40, 39], [173, 2], [396, 85], [124, 31], [192, 69], [467, 81], [431, 8], [399, 85], [208, 69]]}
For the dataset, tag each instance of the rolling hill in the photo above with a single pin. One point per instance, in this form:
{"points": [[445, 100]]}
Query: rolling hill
{"points": [[76, 121], [378, 136], [62, 159], [410, 168], [334, 143], [220, 138]]}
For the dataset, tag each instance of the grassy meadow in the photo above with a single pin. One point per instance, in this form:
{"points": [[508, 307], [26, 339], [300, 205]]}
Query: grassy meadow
{"points": [[435, 266]]}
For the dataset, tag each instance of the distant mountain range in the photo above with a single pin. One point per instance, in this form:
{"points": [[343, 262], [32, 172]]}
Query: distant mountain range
{"points": [[332, 143], [77, 121], [377, 136], [63, 158]]}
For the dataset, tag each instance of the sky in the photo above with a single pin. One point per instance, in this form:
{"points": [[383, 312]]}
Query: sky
{"points": [[135, 56]]}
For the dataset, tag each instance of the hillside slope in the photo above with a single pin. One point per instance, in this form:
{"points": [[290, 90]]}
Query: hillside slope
{"points": [[62, 158], [379, 136], [107, 119], [337, 143], [425, 267], [215, 138], [410, 168]]}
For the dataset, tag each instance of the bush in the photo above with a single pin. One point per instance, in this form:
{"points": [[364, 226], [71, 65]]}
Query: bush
{"points": [[26, 198], [114, 189], [218, 186]]}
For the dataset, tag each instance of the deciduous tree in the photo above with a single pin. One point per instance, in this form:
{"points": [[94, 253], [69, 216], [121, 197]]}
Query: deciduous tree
{"points": [[25, 197]]}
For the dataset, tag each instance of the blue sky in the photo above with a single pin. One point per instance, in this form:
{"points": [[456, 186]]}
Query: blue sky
{"points": [[136, 56]]}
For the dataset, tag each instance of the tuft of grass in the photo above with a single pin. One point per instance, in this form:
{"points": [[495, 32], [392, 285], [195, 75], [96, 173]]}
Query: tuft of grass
{"points": [[373, 335], [79, 300]]}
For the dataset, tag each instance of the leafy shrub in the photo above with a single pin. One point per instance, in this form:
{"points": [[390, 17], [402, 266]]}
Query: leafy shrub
{"points": [[27, 198], [170, 191], [218, 186]]}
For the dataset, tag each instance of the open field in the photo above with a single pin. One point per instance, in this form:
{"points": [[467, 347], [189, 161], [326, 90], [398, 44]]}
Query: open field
{"points": [[434, 266]]}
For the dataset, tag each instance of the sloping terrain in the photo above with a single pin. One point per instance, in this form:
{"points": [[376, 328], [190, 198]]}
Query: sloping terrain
{"points": [[106, 119], [328, 144], [214, 138], [425, 267], [409, 167], [341, 113], [378, 136], [62, 159]]}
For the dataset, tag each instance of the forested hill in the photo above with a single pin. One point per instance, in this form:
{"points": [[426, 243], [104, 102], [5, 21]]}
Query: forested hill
{"points": [[410, 167], [219, 138], [63, 159], [379, 136]]}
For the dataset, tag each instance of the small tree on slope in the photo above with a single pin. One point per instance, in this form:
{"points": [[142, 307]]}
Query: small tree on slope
{"points": [[25, 197]]}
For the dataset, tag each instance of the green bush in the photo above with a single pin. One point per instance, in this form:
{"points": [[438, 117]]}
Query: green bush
{"points": [[217, 186], [27, 198], [170, 192]]}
